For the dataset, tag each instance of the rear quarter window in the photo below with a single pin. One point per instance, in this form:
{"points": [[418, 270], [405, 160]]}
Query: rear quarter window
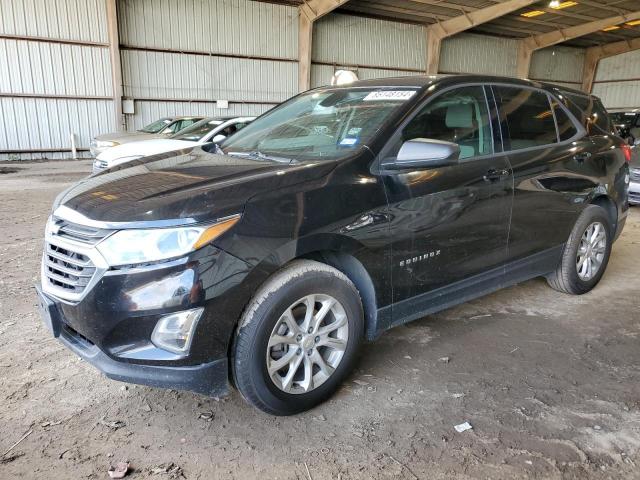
{"points": [[589, 111]]}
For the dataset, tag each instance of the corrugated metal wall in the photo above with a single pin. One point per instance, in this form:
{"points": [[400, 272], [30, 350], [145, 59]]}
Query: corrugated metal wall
{"points": [[469, 53], [55, 78], [559, 65], [482, 54], [54, 69], [617, 81], [219, 26], [174, 51], [375, 48], [62, 19]]}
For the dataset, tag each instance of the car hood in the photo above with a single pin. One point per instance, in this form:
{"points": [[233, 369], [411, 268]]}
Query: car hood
{"points": [[143, 148], [182, 187]]}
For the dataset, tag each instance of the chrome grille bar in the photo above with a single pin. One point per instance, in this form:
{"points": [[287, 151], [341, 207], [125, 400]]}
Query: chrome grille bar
{"points": [[79, 233]]}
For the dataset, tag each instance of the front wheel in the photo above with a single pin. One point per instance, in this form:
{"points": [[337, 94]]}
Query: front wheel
{"points": [[586, 253], [297, 338]]}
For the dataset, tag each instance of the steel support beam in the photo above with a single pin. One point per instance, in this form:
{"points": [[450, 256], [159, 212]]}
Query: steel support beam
{"points": [[116, 65], [441, 30], [308, 13], [529, 45], [595, 54]]}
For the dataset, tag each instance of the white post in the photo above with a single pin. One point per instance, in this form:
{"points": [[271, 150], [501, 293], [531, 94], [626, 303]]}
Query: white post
{"points": [[74, 151]]}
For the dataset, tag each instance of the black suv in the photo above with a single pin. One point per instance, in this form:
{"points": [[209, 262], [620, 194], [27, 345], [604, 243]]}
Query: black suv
{"points": [[341, 213]]}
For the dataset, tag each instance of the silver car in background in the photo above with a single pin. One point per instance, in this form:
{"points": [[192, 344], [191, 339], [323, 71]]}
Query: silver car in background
{"points": [[634, 174], [160, 128]]}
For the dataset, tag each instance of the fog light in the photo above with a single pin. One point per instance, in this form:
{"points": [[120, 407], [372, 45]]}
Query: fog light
{"points": [[174, 332]]}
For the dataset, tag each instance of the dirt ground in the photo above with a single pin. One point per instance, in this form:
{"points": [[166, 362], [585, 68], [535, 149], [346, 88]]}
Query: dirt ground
{"points": [[549, 382]]}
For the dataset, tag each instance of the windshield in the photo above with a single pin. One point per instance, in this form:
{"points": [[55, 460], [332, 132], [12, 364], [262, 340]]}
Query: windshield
{"points": [[156, 126], [322, 124], [197, 131]]}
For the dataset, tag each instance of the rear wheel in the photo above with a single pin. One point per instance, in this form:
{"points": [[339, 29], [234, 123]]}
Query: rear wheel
{"points": [[297, 338], [586, 253]]}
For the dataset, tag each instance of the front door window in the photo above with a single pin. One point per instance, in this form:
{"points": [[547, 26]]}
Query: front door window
{"points": [[459, 116]]}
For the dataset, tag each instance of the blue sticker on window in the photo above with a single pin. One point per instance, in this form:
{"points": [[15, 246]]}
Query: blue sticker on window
{"points": [[349, 141]]}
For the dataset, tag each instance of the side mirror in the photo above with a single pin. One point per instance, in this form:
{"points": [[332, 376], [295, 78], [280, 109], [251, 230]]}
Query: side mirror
{"points": [[218, 138], [424, 153]]}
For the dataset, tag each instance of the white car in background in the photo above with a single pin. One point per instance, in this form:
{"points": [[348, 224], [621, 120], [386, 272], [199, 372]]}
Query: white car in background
{"points": [[209, 130], [160, 128]]}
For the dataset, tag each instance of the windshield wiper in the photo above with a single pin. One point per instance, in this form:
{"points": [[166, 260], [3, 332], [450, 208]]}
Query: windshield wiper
{"points": [[257, 155]]}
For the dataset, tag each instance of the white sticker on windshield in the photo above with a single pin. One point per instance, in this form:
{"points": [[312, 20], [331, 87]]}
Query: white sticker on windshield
{"points": [[397, 95]]}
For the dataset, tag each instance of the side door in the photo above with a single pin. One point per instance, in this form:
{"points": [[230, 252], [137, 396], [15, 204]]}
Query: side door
{"points": [[548, 152], [448, 224]]}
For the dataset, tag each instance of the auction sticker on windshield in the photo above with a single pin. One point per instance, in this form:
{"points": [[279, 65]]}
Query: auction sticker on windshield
{"points": [[398, 95]]}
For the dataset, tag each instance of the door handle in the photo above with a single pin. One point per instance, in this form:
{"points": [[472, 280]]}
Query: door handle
{"points": [[581, 157], [493, 175]]}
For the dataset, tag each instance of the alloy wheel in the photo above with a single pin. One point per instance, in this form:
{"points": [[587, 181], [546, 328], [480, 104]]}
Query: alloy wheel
{"points": [[307, 343], [591, 251]]}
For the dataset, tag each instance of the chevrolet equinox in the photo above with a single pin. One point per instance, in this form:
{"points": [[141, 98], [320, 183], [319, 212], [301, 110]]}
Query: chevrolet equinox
{"points": [[266, 260]]}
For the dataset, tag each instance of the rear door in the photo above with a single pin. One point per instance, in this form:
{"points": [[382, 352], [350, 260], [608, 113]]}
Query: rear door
{"points": [[548, 163], [447, 224]]}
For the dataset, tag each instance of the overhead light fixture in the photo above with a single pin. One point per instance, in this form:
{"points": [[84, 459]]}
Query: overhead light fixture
{"points": [[532, 13], [612, 27], [633, 23], [558, 5]]}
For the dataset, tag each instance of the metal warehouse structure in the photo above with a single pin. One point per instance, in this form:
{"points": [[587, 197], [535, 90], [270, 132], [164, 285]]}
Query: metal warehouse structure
{"points": [[66, 66]]}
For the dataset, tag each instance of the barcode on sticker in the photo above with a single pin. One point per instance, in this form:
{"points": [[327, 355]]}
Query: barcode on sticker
{"points": [[397, 95]]}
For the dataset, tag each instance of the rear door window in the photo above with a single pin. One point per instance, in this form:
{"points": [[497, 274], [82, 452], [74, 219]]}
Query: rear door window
{"points": [[527, 117]]}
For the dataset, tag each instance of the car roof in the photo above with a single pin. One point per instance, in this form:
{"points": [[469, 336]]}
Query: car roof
{"points": [[421, 81]]}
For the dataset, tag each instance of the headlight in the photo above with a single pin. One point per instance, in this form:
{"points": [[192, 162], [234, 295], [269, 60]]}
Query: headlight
{"points": [[130, 247], [105, 144]]}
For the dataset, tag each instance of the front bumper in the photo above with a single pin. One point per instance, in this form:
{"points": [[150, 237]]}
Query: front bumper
{"points": [[110, 326]]}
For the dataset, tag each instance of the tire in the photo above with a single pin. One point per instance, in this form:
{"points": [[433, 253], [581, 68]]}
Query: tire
{"points": [[263, 325], [568, 277]]}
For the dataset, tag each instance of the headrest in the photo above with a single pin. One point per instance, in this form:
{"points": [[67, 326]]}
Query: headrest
{"points": [[459, 116]]}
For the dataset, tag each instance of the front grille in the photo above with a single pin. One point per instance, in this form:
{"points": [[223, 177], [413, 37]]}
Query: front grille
{"points": [[78, 233], [634, 174], [67, 270], [67, 267], [634, 197]]}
